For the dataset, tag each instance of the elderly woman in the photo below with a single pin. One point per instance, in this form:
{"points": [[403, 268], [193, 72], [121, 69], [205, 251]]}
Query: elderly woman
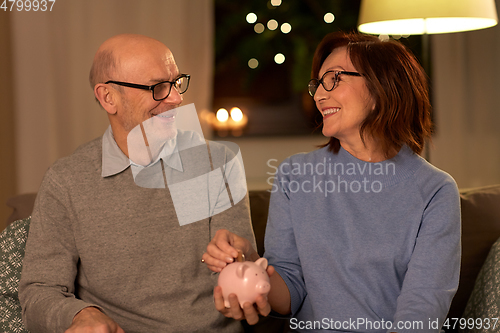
{"points": [[363, 234]]}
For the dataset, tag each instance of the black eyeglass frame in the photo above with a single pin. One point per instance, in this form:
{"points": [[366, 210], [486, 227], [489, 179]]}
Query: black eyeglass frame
{"points": [[315, 82], [152, 87]]}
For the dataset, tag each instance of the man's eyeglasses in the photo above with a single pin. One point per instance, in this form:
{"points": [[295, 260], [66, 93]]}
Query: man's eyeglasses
{"points": [[329, 80], [160, 90]]}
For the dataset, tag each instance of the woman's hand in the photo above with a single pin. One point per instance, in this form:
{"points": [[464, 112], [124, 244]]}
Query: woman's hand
{"points": [[250, 312], [224, 248]]}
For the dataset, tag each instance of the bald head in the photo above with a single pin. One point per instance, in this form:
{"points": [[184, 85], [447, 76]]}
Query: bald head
{"points": [[121, 53]]}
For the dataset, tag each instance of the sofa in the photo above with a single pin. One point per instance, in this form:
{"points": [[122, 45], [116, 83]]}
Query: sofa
{"points": [[480, 209]]}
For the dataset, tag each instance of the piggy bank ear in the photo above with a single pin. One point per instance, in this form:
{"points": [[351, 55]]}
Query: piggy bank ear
{"points": [[262, 262], [240, 271]]}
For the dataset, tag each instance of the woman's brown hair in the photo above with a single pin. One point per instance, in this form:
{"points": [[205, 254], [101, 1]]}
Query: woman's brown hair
{"points": [[397, 83]]}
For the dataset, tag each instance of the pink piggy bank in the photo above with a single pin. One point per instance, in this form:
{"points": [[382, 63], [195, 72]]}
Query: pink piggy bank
{"points": [[245, 279]]}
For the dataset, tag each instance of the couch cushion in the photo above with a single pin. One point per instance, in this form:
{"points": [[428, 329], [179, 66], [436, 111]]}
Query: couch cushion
{"points": [[12, 244], [480, 209]]}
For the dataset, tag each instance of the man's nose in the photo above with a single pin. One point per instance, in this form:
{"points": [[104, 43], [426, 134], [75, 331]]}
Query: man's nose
{"points": [[174, 97]]}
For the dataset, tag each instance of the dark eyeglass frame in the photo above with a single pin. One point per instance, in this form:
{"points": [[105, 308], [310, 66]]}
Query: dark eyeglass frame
{"points": [[313, 85], [152, 87]]}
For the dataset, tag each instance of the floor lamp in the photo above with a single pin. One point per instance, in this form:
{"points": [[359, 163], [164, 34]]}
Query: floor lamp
{"points": [[424, 17]]}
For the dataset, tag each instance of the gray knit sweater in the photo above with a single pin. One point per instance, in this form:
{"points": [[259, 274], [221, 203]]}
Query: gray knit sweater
{"points": [[110, 243]]}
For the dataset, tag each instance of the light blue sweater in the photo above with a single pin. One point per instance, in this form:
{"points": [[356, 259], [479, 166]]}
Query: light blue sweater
{"points": [[365, 247]]}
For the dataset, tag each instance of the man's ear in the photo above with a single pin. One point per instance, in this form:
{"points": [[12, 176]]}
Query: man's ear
{"points": [[106, 97]]}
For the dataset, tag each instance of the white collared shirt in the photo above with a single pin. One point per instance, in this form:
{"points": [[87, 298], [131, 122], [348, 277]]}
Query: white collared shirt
{"points": [[115, 161]]}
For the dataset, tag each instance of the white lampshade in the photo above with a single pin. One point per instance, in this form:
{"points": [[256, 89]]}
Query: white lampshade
{"points": [[413, 17]]}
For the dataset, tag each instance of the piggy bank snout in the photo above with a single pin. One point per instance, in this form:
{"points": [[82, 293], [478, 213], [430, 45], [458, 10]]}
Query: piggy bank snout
{"points": [[263, 287]]}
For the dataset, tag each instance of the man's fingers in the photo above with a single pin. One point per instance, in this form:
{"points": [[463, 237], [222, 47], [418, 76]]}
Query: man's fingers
{"points": [[223, 239], [248, 312], [221, 251], [91, 319], [215, 256], [219, 302], [214, 269], [263, 305], [218, 299], [236, 311], [251, 314]]}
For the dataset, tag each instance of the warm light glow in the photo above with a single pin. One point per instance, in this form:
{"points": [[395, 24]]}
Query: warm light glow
{"points": [[272, 24], [226, 123], [279, 58], [430, 26], [253, 63], [275, 3], [329, 17], [236, 114], [286, 28], [251, 18], [259, 28], [222, 115], [412, 17]]}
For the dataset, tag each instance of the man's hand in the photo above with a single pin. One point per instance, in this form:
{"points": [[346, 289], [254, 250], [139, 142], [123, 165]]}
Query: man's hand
{"points": [[92, 320], [223, 249], [250, 312]]}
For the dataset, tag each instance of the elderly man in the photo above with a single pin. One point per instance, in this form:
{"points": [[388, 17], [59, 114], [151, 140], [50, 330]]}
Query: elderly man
{"points": [[105, 253]]}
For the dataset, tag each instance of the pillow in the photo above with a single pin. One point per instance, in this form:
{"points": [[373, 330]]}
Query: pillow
{"points": [[485, 298], [12, 244], [480, 229]]}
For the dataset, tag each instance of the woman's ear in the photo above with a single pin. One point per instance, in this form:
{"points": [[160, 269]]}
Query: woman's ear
{"points": [[372, 104], [106, 97]]}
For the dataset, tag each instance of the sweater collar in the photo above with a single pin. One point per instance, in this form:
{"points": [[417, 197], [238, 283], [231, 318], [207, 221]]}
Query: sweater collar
{"points": [[388, 172]]}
